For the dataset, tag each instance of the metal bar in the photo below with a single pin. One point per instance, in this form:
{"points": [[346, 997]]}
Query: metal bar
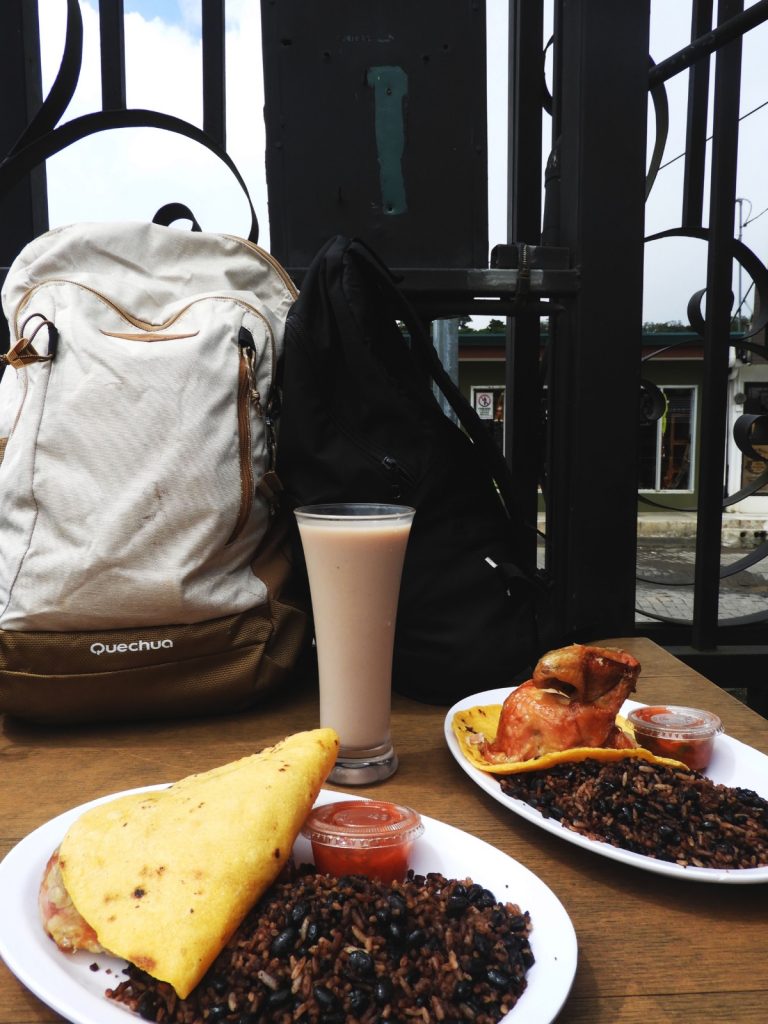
{"points": [[595, 389], [445, 337], [727, 30], [214, 73], [24, 208], [714, 394], [522, 431], [447, 305], [696, 126], [112, 42], [666, 634], [476, 282]]}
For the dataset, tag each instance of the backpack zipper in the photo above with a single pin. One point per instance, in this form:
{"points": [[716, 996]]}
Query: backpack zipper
{"points": [[247, 396], [394, 471], [143, 324], [279, 269]]}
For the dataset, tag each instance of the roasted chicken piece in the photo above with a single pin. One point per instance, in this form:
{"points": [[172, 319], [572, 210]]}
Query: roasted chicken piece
{"points": [[571, 701]]}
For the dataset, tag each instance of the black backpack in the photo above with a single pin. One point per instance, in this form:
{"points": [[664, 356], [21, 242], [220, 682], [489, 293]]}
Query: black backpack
{"points": [[359, 422]]}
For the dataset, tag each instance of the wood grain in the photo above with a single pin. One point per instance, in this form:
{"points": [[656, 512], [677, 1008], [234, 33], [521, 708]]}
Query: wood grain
{"points": [[651, 948]]}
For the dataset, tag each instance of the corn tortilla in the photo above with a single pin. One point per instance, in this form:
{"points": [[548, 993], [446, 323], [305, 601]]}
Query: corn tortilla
{"points": [[164, 878], [476, 725]]}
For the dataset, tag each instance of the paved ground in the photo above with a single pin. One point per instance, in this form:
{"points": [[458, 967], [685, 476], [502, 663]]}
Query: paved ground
{"points": [[666, 554], [665, 559]]}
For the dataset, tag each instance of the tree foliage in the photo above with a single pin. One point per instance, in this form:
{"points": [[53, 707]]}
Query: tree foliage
{"points": [[669, 327]]}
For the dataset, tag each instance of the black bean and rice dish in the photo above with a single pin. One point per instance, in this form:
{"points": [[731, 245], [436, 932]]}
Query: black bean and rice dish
{"points": [[671, 814], [334, 951]]}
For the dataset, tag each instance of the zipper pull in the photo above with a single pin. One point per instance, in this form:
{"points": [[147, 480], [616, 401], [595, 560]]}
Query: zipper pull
{"points": [[248, 352], [392, 466], [270, 418], [270, 488], [24, 352]]}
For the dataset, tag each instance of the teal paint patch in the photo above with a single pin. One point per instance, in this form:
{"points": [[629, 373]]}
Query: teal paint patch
{"points": [[390, 90]]}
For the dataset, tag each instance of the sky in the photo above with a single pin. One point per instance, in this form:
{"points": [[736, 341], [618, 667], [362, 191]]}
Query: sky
{"points": [[130, 173]]}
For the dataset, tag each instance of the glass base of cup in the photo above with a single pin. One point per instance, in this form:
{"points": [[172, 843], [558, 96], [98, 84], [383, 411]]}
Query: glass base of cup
{"points": [[364, 767]]}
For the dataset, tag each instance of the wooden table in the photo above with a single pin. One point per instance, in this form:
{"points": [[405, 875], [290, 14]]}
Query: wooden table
{"points": [[651, 948]]}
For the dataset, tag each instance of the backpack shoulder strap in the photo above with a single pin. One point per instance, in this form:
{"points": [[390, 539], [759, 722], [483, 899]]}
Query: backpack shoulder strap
{"points": [[485, 446]]}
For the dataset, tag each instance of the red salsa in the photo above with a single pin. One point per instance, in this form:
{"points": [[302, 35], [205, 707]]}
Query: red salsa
{"points": [[363, 837], [684, 734]]}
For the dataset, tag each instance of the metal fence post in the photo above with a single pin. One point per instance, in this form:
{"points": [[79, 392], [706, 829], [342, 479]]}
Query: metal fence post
{"points": [[601, 93], [24, 210]]}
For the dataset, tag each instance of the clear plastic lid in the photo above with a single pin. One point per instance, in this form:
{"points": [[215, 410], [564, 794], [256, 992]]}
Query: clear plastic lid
{"points": [[675, 723], [362, 824]]}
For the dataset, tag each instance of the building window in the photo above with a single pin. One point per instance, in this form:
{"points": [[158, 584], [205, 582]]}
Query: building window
{"points": [[666, 446], [489, 406]]}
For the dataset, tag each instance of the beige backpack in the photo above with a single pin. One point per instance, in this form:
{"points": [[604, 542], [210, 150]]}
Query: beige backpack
{"points": [[143, 565]]}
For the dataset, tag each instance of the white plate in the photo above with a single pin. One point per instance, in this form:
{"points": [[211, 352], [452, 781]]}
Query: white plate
{"points": [[733, 764], [68, 985]]}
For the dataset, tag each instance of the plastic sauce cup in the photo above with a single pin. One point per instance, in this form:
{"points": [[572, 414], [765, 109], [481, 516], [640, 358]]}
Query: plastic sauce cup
{"points": [[363, 837], [685, 734]]}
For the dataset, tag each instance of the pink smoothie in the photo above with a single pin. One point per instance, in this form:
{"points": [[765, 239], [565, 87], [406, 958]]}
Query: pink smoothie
{"points": [[354, 571]]}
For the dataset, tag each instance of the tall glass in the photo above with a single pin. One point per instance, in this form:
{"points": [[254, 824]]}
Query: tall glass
{"points": [[354, 554]]}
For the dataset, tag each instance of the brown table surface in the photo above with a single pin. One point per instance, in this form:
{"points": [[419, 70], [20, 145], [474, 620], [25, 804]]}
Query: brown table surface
{"points": [[651, 948]]}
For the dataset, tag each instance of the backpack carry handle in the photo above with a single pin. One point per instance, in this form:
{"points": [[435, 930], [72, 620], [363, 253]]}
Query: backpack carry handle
{"points": [[172, 212]]}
